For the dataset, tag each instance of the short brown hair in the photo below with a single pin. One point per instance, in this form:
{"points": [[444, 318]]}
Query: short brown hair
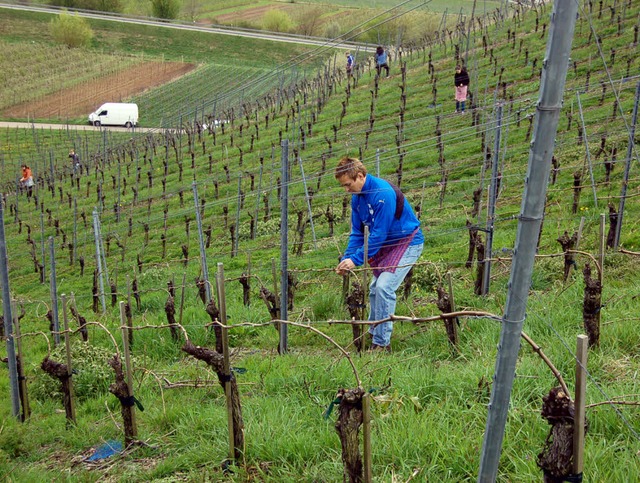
{"points": [[350, 167]]}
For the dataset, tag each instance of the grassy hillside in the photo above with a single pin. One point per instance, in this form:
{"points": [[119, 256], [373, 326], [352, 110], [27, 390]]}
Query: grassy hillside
{"points": [[430, 400]]}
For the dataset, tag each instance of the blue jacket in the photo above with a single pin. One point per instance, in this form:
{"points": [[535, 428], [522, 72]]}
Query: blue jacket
{"points": [[382, 58], [375, 207]]}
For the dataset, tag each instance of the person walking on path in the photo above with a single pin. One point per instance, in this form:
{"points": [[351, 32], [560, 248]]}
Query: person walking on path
{"points": [[27, 180], [395, 241], [382, 60], [350, 64], [461, 81]]}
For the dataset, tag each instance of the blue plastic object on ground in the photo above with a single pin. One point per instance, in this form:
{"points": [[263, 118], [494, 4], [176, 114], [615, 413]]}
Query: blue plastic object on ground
{"points": [[106, 450]]}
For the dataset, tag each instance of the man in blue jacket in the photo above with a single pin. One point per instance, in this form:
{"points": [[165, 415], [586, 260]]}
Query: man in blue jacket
{"points": [[395, 241]]}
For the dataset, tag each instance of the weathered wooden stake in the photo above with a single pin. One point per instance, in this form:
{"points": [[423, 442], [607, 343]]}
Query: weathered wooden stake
{"points": [[591, 306], [579, 418], [350, 418], [184, 280], [127, 364], [366, 437]]}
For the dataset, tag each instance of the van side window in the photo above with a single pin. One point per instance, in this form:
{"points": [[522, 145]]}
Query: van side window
{"points": [[103, 113]]}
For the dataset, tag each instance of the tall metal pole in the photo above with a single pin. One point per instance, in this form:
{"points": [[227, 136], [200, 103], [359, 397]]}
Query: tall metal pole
{"points": [[236, 234], [255, 219], [75, 229], [491, 209], [284, 252], [203, 255], [54, 292], [12, 363], [118, 207], [96, 235], [554, 74], [306, 194], [470, 24], [42, 247], [627, 168], [588, 153], [103, 258]]}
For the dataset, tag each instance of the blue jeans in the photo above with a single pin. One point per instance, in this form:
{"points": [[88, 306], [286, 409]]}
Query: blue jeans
{"points": [[460, 105], [382, 295]]}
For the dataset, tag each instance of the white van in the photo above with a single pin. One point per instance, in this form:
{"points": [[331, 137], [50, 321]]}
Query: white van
{"points": [[115, 113]]}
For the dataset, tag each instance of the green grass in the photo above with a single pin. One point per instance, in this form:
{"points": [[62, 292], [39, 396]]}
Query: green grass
{"points": [[431, 415], [167, 43]]}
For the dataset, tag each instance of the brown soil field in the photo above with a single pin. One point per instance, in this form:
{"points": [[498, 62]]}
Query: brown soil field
{"points": [[253, 14], [86, 97]]}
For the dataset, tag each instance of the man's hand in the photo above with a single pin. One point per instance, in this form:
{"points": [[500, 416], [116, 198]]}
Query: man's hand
{"points": [[344, 266]]}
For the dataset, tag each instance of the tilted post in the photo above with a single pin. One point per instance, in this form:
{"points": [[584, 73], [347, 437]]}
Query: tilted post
{"points": [[554, 74], [627, 167], [284, 248], [491, 209], [203, 254], [8, 326]]}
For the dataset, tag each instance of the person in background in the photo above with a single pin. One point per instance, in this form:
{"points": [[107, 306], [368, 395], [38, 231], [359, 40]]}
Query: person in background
{"points": [[461, 81], [27, 180], [382, 60], [75, 162], [350, 64], [394, 245]]}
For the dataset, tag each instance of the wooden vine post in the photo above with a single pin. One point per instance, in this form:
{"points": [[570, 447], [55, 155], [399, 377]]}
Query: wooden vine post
{"points": [[366, 437], [603, 237], [446, 305], [350, 418], [129, 436], [579, 418], [225, 357], [355, 305], [220, 364], [71, 414], [591, 306]]}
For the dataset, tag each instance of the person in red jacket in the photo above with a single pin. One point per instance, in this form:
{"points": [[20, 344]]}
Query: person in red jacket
{"points": [[461, 81], [27, 180]]}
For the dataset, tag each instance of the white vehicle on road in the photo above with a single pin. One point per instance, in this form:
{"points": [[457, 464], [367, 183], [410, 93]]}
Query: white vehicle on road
{"points": [[116, 114]]}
